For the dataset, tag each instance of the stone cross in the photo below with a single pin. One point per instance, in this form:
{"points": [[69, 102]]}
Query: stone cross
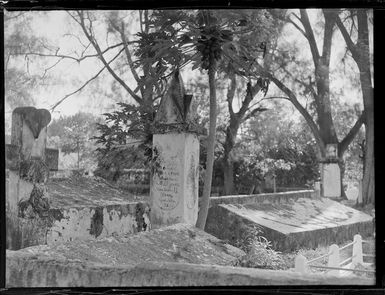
{"points": [[175, 175], [27, 200]]}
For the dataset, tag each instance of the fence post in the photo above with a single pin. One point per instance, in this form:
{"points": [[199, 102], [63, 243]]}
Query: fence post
{"points": [[300, 264], [334, 259], [357, 251]]}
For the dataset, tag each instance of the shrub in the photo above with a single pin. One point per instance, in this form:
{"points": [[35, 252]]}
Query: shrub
{"points": [[259, 253]]}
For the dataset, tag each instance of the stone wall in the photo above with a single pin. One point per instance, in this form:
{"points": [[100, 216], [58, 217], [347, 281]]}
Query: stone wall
{"points": [[84, 223], [97, 222], [22, 271]]}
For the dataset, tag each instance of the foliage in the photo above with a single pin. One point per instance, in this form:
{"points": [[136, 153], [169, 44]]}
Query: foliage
{"points": [[125, 140], [274, 144], [18, 80], [234, 38], [72, 134], [259, 253]]}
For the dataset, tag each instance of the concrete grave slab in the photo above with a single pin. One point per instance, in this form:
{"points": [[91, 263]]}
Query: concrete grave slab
{"points": [[303, 222], [84, 208], [93, 208]]}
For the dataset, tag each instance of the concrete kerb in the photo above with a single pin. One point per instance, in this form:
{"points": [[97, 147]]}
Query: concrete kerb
{"points": [[28, 271], [262, 198]]}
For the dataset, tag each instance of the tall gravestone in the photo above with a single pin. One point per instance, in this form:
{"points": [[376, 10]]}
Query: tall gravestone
{"points": [[330, 173], [27, 200], [175, 173]]}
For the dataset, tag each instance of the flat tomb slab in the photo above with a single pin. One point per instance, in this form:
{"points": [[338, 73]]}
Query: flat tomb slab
{"points": [[303, 222], [177, 243], [87, 192]]}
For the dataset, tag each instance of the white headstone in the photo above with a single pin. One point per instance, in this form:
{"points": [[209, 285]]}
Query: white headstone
{"points": [[175, 181], [331, 180], [334, 259], [357, 257]]}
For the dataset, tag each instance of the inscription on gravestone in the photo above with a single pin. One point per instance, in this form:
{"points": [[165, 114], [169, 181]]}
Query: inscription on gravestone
{"points": [[191, 187], [168, 185]]}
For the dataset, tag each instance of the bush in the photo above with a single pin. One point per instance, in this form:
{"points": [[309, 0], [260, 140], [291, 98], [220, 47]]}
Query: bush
{"points": [[259, 253]]}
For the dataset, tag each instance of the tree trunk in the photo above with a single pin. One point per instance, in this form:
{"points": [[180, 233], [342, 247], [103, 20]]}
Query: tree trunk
{"points": [[341, 164], [361, 55], [202, 216], [228, 169], [228, 176], [368, 177], [367, 93], [77, 145]]}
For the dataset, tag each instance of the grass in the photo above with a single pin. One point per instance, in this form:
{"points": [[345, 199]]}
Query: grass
{"points": [[259, 254]]}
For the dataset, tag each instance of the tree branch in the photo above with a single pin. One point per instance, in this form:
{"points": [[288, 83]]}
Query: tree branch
{"points": [[250, 93], [310, 36], [343, 145], [62, 56], [349, 42], [307, 86], [299, 107], [128, 55], [297, 26], [101, 57], [85, 84], [231, 93], [253, 113], [330, 17], [125, 43]]}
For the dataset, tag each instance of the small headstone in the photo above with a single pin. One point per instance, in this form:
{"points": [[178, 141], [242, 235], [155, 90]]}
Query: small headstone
{"points": [[330, 173], [331, 180], [300, 264], [334, 259], [357, 257]]}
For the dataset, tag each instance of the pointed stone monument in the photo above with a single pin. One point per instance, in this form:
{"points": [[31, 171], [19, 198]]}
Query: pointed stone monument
{"points": [[175, 175]]}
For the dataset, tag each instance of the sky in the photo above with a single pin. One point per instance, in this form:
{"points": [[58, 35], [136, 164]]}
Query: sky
{"points": [[54, 26]]}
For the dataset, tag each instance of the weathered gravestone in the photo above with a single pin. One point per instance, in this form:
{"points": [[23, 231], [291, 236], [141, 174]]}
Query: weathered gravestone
{"points": [[330, 173], [27, 201], [174, 184]]}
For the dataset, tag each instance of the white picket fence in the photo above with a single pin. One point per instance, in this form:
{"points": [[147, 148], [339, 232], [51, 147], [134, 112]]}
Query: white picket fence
{"points": [[334, 264]]}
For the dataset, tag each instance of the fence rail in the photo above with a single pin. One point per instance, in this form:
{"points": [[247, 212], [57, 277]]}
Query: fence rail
{"points": [[334, 265]]}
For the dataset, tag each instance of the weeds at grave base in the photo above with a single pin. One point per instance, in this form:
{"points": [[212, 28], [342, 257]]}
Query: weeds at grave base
{"points": [[259, 254]]}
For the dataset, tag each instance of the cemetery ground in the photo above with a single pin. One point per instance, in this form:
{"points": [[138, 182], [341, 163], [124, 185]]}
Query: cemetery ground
{"points": [[243, 167], [77, 230], [259, 252]]}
